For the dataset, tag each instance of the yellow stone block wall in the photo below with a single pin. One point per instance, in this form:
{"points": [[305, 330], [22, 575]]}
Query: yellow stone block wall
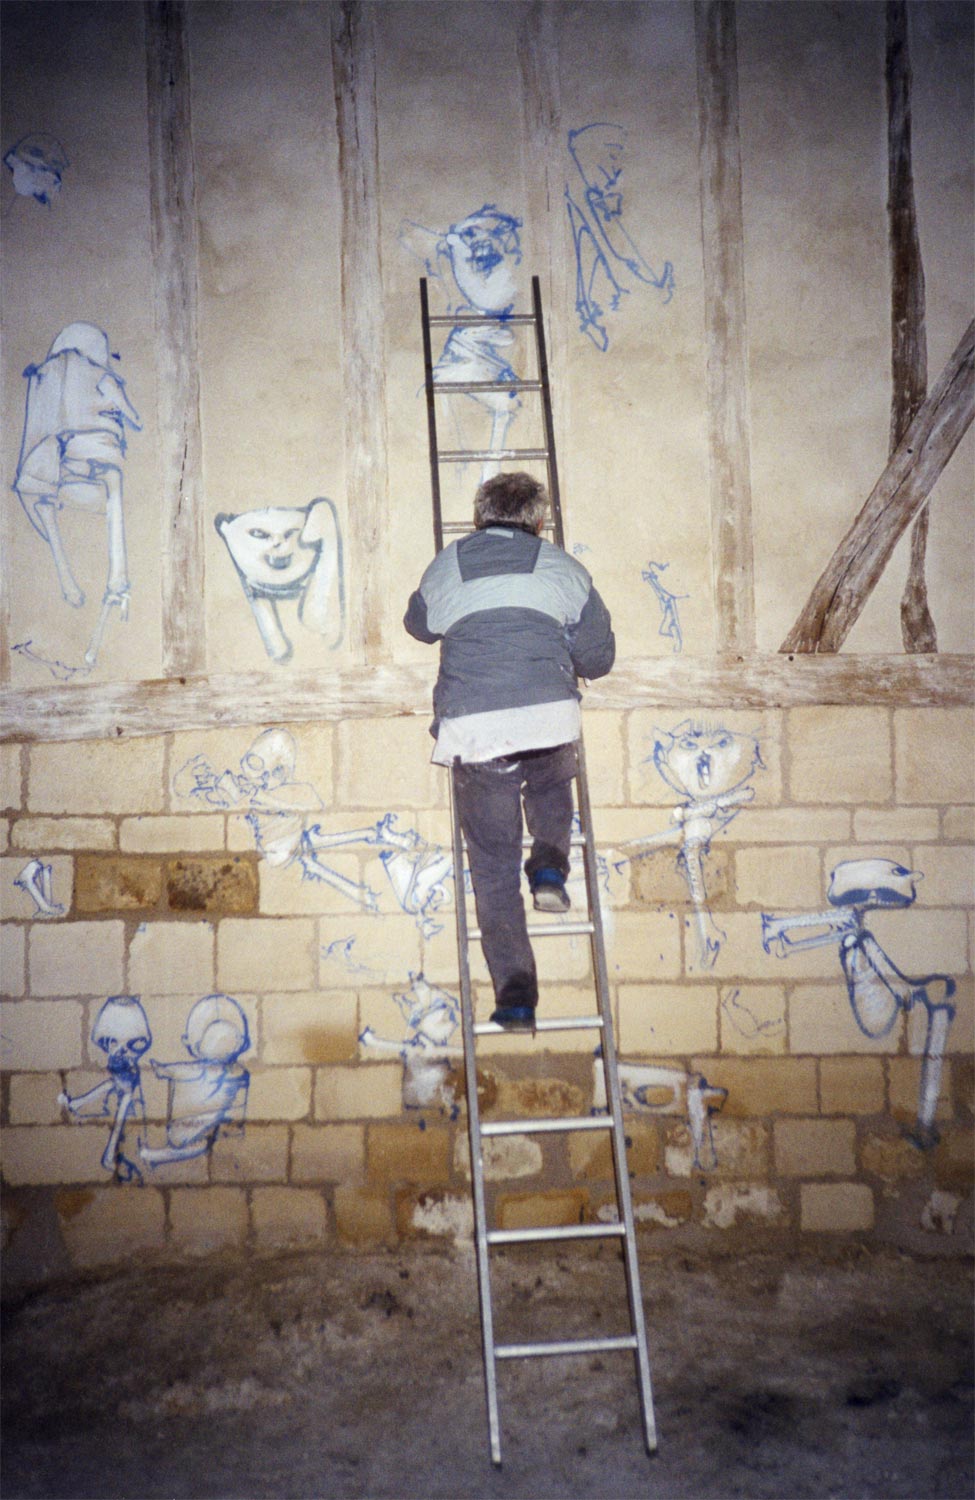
{"points": [[342, 1142]]}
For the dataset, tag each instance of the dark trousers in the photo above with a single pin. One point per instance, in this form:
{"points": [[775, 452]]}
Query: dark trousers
{"points": [[489, 797]]}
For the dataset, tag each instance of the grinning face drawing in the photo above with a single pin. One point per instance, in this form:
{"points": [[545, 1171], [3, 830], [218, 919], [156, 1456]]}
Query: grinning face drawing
{"points": [[701, 762], [484, 248], [267, 548]]}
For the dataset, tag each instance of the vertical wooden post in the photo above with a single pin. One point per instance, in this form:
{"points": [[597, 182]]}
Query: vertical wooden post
{"points": [[363, 348], [732, 559], [175, 289]]}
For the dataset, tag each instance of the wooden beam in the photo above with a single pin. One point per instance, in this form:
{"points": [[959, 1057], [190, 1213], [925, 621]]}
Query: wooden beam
{"points": [[363, 347], [175, 290], [732, 553], [903, 488], [72, 711]]}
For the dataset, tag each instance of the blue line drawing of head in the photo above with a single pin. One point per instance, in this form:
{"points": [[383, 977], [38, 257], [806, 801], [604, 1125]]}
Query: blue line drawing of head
{"points": [[289, 553], [208, 1094], [121, 1031], [606, 257], [670, 620], [72, 453], [37, 163], [474, 263], [876, 988]]}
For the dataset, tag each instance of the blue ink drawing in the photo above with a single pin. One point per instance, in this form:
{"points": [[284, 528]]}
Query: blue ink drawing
{"points": [[877, 989], [607, 260], [71, 455], [121, 1031], [207, 1094], [289, 554], [36, 880], [648, 1089], [474, 264], [432, 1016], [670, 620], [37, 163]]}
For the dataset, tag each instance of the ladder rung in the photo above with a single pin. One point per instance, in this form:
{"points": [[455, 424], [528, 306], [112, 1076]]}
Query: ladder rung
{"points": [[473, 320], [556, 1232], [554, 1023], [465, 455], [566, 1346], [552, 929], [451, 528], [470, 387], [530, 1127]]}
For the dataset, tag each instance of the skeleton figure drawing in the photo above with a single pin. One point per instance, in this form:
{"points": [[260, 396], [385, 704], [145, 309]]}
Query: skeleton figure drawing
{"points": [[72, 456]]}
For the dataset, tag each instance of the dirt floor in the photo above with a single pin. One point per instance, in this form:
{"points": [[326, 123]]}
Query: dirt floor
{"points": [[328, 1376]]}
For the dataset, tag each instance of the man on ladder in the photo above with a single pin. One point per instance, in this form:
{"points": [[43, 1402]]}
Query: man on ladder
{"points": [[519, 621]]}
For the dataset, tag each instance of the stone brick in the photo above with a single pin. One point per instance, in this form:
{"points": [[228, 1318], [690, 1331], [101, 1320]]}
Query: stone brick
{"points": [[18, 904], [365, 950], [403, 777], [96, 776], [42, 1036], [851, 1086], [328, 1153], [656, 880], [539, 1210], [367, 1091], [116, 882], [203, 1221], [106, 1226], [958, 823], [788, 825], [13, 959], [821, 1020], [933, 754], [644, 946], [762, 1085], [814, 1148], [922, 940], [646, 784], [775, 876], [605, 736], [287, 1218], [10, 777], [741, 1146], [835, 1207], [666, 1210], [77, 958], [284, 891], [309, 1028], [279, 1094], [257, 1154], [591, 1152], [63, 833], [667, 1020], [174, 958], [728, 1202], [742, 957], [538, 1098], [949, 875], [363, 1218], [904, 1083], [267, 953], [4, 835], [35, 1155], [407, 1152], [34, 1099], [435, 1214], [891, 1158], [505, 1158], [214, 884], [164, 834], [954, 1160], [840, 755], [752, 1019], [895, 825]]}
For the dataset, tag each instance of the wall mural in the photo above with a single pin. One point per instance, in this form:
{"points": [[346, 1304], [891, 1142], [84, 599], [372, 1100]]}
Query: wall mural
{"points": [[289, 555], [473, 265], [652, 1090], [432, 1017], [877, 989], [37, 163], [608, 264], [72, 455], [670, 619], [36, 880], [121, 1031]]}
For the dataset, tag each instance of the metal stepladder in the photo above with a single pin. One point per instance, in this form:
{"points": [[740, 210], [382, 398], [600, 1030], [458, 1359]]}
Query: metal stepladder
{"points": [[601, 1023]]}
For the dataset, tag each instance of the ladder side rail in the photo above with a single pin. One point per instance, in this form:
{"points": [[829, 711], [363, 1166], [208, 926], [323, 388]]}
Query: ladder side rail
{"points": [[428, 384], [547, 419], [474, 1135], [614, 1102]]}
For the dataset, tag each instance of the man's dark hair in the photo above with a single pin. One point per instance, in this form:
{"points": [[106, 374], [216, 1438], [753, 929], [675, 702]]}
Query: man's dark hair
{"points": [[510, 500]]}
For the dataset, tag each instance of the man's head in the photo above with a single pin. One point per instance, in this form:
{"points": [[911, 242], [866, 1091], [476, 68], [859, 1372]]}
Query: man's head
{"points": [[511, 500]]}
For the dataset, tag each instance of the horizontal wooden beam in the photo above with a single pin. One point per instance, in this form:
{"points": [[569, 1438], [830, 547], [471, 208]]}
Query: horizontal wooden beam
{"points": [[72, 711]]}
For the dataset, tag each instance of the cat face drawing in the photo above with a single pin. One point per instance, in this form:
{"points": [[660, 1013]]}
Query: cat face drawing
{"points": [[699, 762]]}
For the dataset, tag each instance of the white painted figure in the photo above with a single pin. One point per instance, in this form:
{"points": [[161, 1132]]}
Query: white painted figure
{"points": [[208, 1094], [121, 1031], [37, 163], [648, 1089], [36, 880], [432, 1017]]}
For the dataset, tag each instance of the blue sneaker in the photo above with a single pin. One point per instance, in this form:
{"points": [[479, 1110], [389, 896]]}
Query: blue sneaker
{"points": [[548, 890], [514, 1017]]}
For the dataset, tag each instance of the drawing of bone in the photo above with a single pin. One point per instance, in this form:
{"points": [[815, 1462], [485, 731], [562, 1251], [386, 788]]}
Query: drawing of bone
{"points": [[36, 880], [72, 454], [283, 554], [877, 989], [121, 1031], [648, 1089]]}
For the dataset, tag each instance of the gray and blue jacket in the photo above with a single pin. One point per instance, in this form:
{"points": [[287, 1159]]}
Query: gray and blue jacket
{"points": [[518, 620]]}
